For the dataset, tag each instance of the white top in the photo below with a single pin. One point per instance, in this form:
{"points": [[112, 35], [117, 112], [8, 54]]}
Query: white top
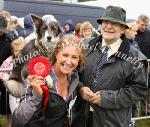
{"points": [[113, 47]]}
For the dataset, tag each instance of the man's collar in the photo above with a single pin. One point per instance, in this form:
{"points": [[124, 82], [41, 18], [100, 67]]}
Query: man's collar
{"points": [[124, 47], [114, 45]]}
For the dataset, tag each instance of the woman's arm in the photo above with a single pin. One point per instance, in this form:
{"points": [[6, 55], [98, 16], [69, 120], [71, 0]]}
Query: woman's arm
{"points": [[29, 105]]}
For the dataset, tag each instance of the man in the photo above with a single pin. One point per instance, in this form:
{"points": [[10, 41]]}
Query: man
{"points": [[143, 39], [143, 35], [111, 84]]}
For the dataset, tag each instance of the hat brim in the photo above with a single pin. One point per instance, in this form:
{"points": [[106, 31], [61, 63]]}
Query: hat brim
{"points": [[99, 21]]}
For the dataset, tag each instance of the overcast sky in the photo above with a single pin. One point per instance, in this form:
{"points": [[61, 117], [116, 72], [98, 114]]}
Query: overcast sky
{"points": [[133, 7]]}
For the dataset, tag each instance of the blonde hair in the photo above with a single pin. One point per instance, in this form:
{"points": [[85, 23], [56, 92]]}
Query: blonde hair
{"points": [[85, 25], [69, 40], [132, 26], [17, 42], [7, 15]]}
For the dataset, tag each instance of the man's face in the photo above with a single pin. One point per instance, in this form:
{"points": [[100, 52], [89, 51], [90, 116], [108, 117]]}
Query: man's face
{"points": [[111, 31], [142, 26], [67, 27]]}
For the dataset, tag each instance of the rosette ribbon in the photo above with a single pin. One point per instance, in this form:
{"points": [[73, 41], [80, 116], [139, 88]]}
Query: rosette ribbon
{"points": [[41, 66]]}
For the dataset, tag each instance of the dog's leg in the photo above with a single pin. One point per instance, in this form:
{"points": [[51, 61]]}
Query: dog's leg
{"points": [[14, 87]]}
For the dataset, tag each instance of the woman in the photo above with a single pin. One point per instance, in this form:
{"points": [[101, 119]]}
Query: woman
{"points": [[86, 32], [66, 58], [77, 31]]}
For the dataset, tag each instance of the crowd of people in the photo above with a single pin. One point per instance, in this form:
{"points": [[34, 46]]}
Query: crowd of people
{"points": [[99, 77]]}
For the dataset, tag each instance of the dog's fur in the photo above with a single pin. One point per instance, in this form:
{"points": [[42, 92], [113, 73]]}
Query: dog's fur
{"points": [[47, 37]]}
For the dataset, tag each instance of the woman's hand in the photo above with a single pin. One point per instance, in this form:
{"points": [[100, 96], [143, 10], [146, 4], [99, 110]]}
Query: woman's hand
{"points": [[36, 82]]}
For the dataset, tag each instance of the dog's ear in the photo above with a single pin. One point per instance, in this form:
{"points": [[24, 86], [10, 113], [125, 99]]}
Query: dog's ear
{"points": [[36, 19], [60, 30], [37, 22]]}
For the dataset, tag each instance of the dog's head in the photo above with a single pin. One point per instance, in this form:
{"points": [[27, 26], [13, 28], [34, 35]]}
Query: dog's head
{"points": [[48, 32]]}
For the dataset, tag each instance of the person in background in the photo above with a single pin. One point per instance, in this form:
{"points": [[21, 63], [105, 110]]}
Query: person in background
{"points": [[16, 46], [110, 81], [11, 34], [28, 27], [69, 27], [5, 40], [5, 52], [7, 15], [143, 35], [15, 25], [131, 33], [77, 32], [86, 32], [67, 56]]}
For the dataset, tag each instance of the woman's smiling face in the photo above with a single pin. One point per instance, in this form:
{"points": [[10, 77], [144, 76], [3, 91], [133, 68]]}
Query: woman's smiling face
{"points": [[67, 59]]}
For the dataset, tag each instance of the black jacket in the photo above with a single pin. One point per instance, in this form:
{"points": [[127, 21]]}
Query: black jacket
{"points": [[122, 84], [5, 47], [54, 115], [29, 113], [143, 39]]}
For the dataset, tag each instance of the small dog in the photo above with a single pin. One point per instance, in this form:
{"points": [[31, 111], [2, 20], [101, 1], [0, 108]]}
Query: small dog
{"points": [[48, 34]]}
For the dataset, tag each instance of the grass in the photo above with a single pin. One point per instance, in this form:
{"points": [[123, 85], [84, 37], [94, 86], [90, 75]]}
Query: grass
{"points": [[3, 121], [143, 123], [139, 123]]}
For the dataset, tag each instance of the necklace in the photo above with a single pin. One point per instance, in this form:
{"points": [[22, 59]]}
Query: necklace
{"points": [[45, 51]]}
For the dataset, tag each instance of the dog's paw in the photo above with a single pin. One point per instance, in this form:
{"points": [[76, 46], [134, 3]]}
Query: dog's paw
{"points": [[49, 81]]}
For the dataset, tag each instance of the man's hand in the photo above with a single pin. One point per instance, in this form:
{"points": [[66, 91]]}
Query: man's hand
{"points": [[96, 99], [86, 93]]}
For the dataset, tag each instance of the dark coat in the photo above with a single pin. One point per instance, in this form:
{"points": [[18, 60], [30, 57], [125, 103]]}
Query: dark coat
{"points": [[5, 47], [5, 52], [30, 114], [143, 39], [28, 27], [134, 44], [122, 84]]}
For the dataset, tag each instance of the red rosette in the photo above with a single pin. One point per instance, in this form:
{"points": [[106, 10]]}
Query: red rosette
{"points": [[40, 66]]}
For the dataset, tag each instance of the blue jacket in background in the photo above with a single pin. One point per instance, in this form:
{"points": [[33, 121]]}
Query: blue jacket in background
{"points": [[71, 24]]}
